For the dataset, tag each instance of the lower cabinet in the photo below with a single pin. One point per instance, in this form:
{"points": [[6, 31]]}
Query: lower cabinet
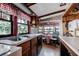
{"points": [[66, 51], [26, 51], [34, 47], [31, 47], [34, 52], [39, 44]]}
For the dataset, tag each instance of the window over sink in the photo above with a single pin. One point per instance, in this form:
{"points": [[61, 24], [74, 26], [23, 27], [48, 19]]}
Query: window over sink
{"points": [[5, 24], [22, 26]]}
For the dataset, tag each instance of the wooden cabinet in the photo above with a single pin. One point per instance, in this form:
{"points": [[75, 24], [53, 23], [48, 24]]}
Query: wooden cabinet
{"points": [[34, 47], [31, 47], [34, 51], [39, 44], [25, 48], [66, 50]]}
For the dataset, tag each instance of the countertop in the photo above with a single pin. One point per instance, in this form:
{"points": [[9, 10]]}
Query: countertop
{"points": [[11, 50], [72, 43], [15, 43]]}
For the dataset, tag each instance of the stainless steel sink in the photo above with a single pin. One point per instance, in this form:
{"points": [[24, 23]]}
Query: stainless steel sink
{"points": [[26, 36], [16, 40]]}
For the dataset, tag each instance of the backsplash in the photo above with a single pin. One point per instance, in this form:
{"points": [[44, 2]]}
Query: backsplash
{"points": [[34, 30]]}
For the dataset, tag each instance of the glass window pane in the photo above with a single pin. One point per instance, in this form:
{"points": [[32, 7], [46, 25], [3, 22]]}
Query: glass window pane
{"points": [[24, 21], [5, 27], [40, 30], [40, 27], [48, 29], [0, 14], [22, 28], [5, 16], [19, 21]]}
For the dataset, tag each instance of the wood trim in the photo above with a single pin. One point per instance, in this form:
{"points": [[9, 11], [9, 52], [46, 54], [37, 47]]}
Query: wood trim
{"points": [[31, 4], [52, 13], [30, 9], [71, 6]]}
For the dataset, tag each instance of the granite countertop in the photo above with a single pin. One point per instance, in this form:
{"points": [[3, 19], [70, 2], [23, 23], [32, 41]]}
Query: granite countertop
{"points": [[7, 50], [15, 43], [72, 43]]}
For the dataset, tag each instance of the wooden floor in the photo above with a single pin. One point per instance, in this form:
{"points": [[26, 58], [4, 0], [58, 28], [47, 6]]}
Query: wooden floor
{"points": [[48, 50]]}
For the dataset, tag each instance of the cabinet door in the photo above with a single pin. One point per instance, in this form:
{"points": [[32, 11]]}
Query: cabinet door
{"points": [[34, 47], [39, 44], [34, 52], [28, 51], [64, 51], [25, 48]]}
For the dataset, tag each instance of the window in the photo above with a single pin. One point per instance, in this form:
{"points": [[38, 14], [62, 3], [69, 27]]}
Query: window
{"points": [[72, 26], [40, 29], [48, 30], [22, 26], [5, 24]]}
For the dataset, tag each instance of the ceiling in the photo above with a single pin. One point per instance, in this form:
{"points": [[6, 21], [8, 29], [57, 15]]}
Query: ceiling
{"points": [[43, 10], [22, 7], [46, 9]]}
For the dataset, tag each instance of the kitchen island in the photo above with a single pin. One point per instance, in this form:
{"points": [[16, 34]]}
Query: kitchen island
{"points": [[69, 46]]}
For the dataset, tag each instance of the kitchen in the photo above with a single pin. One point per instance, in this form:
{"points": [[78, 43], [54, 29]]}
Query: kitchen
{"points": [[39, 29]]}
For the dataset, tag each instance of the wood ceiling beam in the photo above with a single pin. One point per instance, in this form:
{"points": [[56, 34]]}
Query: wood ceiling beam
{"points": [[30, 9], [30, 4]]}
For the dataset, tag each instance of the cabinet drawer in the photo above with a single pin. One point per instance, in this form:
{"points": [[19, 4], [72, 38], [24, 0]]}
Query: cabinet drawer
{"points": [[34, 51]]}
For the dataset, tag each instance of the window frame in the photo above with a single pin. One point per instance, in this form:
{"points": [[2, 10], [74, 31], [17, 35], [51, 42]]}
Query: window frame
{"points": [[21, 24], [1, 18]]}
